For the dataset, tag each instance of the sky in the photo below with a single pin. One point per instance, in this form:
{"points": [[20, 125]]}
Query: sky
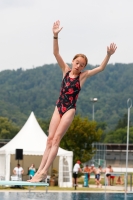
{"points": [[89, 26]]}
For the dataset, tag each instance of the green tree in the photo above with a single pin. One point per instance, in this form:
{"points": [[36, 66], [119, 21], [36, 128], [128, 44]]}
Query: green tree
{"points": [[7, 129], [122, 123], [79, 138], [119, 136], [102, 125], [37, 90]]}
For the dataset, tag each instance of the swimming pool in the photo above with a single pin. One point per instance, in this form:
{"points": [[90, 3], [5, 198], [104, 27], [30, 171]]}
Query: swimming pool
{"points": [[63, 196]]}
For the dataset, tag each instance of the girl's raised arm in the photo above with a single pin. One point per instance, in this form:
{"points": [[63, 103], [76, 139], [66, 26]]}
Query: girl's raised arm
{"points": [[110, 50], [56, 30]]}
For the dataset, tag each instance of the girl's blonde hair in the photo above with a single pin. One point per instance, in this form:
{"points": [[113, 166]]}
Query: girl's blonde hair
{"points": [[81, 55]]}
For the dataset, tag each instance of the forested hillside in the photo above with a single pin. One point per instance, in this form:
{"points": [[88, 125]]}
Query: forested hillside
{"points": [[37, 90]]}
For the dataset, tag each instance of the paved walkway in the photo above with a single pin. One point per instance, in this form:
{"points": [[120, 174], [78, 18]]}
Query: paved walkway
{"points": [[109, 188]]}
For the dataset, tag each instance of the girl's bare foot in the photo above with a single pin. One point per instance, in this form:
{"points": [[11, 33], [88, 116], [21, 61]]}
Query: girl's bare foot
{"points": [[38, 178], [38, 172], [34, 176]]}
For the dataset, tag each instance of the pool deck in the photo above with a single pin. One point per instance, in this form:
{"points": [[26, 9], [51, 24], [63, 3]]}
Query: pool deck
{"points": [[66, 191], [80, 189]]}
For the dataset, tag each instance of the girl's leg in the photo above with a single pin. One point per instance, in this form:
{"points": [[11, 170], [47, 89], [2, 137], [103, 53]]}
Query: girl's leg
{"points": [[55, 120], [52, 129], [55, 141]]}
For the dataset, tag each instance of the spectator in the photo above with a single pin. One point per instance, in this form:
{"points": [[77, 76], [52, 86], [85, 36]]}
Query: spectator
{"points": [[76, 169], [88, 170], [108, 174], [97, 176], [18, 171], [119, 180], [112, 177], [92, 168], [32, 171]]}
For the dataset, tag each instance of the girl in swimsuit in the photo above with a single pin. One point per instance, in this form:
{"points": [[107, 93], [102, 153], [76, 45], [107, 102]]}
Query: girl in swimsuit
{"points": [[73, 80]]}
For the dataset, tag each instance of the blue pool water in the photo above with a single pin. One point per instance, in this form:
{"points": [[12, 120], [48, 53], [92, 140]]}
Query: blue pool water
{"points": [[63, 196]]}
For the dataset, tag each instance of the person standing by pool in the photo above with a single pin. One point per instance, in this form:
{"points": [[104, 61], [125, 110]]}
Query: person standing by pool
{"points": [[87, 169], [18, 171], [76, 170], [32, 171], [108, 174], [112, 177], [92, 169], [73, 80], [97, 176]]}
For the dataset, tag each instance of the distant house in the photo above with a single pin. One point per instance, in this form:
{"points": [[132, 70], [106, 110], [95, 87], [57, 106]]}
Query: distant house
{"points": [[116, 155], [112, 154]]}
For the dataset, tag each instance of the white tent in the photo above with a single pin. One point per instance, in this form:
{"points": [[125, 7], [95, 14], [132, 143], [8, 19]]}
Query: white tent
{"points": [[32, 140]]}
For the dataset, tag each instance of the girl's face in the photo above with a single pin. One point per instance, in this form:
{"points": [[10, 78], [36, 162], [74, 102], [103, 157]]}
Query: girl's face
{"points": [[78, 64]]}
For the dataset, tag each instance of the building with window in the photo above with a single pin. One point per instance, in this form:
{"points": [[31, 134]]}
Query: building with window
{"points": [[112, 154]]}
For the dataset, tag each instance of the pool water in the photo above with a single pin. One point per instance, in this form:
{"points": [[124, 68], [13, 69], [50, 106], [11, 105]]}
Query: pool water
{"points": [[63, 196]]}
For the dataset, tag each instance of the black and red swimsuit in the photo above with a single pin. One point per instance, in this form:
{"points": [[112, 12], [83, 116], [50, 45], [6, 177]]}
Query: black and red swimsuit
{"points": [[70, 89]]}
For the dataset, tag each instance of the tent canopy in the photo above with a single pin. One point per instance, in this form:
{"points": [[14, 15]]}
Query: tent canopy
{"points": [[31, 139]]}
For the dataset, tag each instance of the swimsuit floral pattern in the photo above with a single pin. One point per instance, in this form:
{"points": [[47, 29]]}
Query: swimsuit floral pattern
{"points": [[70, 89]]}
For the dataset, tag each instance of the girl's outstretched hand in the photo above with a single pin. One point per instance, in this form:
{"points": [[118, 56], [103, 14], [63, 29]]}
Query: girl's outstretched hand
{"points": [[111, 49], [56, 27]]}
